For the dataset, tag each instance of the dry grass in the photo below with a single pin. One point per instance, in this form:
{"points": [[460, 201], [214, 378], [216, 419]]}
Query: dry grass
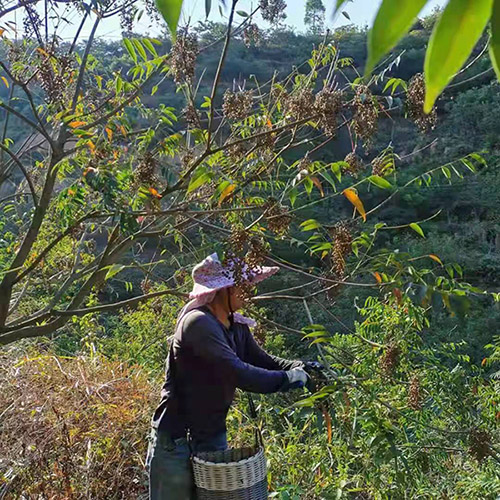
{"points": [[73, 428]]}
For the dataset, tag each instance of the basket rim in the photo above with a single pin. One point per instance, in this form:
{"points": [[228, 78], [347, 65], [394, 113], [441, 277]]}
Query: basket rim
{"points": [[244, 461]]}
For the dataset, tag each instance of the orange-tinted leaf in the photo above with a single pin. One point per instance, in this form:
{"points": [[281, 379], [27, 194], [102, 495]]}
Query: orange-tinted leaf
{"points": [[77, 123], [2, 31], [227, 191], [109, 132], [377, 277], [484, 361], [71, 192], [4, 80], [269, 123], [353, 197], [154, 192], [91, 146], [398, 295], [43, 52], [317, 183], [436, 258]]}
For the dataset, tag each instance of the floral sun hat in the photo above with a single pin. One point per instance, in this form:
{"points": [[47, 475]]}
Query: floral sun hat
{"points": [[210, 275]]}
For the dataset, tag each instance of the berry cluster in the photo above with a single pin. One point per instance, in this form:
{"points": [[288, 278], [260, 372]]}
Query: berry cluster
{"points": [[328, 104], [277, 216], [237, 105], [415, 104], [365, 113], [300, 104], [342, 246], [414, 395], [389, 360], [355, 164], [272, 10], [183, 58]]}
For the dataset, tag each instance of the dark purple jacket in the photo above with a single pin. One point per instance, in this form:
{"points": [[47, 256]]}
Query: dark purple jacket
{"points": [[205, 365]]}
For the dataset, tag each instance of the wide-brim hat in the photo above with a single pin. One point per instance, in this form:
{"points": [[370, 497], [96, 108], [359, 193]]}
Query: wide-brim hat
{"points": [[210, 275]]}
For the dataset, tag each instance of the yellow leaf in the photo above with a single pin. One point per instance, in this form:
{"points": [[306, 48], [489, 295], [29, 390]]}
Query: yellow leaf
{"points": [[77, 124], [317, 183], [352, 196], [436, 258], [154, 192], [109, 132], [377, 277], [4, 80], [484, 361], [122, 130], [91, 146], [43, 52], [227, 191], [324, 254]]}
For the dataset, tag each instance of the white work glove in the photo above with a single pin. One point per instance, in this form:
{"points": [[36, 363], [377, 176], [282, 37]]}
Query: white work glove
{"points": [[297, 377]]}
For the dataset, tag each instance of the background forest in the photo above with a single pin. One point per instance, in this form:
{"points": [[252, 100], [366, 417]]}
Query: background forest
{"points": [[75, 406]]}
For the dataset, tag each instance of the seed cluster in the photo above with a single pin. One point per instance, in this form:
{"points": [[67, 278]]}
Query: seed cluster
{"points": [[355, 164], [378, 166], [479, 444], [328, 104], [237, 105], [183, 58], [191, 116], [55, 82], [272, 10], [342, 247], [251, 35], [415, 104], [414, 395], [365, 114], [145, 286], [145, 173], [300, 104], [277, 216], [389, 360]]}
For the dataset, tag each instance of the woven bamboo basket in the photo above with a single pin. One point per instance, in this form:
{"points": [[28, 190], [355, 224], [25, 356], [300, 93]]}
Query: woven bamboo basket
{"points": [[233, 474]]}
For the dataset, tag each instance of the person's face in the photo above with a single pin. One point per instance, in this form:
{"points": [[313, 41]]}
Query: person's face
{"points": [[236, 295]]}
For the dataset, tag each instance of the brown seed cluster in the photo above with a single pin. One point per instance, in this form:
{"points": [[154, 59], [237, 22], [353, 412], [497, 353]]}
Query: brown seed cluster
{"points": [[259, 332], [191, 116], [251, 35], [272, 10], [277, 216], [237, 105], [342, 247], [479, 444], [145, 286], [414, 394], [54, 82], [415, 98], [355, 164], [258, 249], [389, 360], [145, 173], [365, 114], [328, 104], [300, 104], [378, 166], [183, 58], [237, 151]]}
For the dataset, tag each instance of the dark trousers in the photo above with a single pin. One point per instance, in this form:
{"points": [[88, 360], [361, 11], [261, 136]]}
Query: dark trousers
{"points": [[169, 464]]}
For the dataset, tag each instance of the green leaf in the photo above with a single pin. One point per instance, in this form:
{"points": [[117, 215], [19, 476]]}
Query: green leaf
{"points": [[310, 224], [171, 11], [130, 49], [338, 5], [242, 13], [452, 40], [495, 38], [417, 229], [140, 48], [208, 7], [114, 269], [394, 19], [200, 176], [380, 182], [149, 45]]}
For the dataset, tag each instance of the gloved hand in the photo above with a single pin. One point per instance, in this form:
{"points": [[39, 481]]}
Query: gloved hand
{"points": [[313, 365], [297, 377]]}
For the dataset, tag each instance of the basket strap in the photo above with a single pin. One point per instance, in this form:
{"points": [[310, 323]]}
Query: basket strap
{"points": [[259, 440]]}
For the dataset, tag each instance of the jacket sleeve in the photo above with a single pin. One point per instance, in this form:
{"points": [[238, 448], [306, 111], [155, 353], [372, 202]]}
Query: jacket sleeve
{"points": [[255, 355], [208, 342]]}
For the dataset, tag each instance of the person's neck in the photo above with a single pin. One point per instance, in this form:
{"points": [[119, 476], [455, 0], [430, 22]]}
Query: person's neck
{"points": [[220, 312]]}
